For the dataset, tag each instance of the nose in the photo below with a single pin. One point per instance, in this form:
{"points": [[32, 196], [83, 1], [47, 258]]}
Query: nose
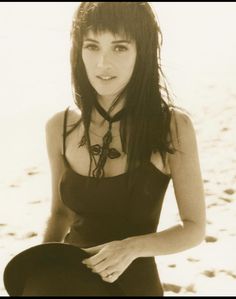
{"points": [[104, 61]]}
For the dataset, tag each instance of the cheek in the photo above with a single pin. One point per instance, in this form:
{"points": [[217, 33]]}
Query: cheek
{"points": [[88, 62], [127, 66]]}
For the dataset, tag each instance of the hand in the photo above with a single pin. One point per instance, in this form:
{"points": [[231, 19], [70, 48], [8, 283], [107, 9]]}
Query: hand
{"points": [[110, 260]]}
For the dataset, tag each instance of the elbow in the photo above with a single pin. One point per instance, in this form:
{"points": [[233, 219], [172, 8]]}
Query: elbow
{"points": [[197, 232], [201, 229], [200, 236]]}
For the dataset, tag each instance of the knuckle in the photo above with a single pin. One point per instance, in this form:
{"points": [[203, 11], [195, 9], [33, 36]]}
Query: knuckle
{"points": [[103, 274]]}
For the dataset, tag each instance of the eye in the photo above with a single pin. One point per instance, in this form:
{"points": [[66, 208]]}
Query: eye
{"points": [[91, 47], [120, 48]]}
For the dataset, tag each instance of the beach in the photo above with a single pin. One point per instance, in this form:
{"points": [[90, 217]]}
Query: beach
{"points": [[35, 73]]}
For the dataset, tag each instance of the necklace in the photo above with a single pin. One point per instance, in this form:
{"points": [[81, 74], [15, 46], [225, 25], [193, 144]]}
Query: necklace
{"points": [[104, 151], [100, 136]]}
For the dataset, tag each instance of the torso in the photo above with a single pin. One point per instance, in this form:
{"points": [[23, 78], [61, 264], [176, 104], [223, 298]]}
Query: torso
{"points": [[110, 209], [78, 157]]}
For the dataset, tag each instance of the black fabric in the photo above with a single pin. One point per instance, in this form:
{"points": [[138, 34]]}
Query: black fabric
{"points": [[106, 210], [53, 269]]}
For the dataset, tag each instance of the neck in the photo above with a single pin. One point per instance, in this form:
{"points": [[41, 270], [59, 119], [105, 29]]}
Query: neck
{"points": [[98, 119], [106, 102]]}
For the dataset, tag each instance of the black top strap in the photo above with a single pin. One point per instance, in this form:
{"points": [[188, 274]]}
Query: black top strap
{"points": [[64, 130]]}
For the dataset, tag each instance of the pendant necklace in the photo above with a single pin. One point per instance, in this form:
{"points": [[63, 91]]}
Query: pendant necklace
{"points": [[104, 151]]}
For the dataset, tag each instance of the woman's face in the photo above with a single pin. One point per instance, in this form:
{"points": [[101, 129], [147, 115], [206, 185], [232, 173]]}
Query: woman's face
{"points": [[109, 62]]}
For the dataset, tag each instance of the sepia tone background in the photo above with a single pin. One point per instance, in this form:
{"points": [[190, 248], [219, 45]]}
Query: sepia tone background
{"points": [[198, 58]]}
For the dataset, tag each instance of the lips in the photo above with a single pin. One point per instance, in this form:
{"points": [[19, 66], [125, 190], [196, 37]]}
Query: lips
{"points": [[106, 77]]}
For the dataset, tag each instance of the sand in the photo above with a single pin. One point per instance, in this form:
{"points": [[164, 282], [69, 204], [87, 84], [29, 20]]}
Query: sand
{"points": [[204, 86]]}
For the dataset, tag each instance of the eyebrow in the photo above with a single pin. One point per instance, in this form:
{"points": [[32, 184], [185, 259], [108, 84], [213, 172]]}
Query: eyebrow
{"points": [[114, 42]]}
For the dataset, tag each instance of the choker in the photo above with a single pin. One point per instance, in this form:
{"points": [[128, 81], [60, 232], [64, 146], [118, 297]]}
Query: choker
{"points": [[104, 151]]}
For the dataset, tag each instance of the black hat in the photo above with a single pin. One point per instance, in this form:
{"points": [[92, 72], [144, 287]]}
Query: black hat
{"points": [[51, 269]]}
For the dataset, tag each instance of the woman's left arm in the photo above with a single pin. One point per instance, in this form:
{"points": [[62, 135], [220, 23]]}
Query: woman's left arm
{"points": [[189, 192]]}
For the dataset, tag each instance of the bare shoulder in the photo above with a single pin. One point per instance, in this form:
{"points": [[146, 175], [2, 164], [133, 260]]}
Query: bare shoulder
{"points": [[54, 128], [180, 118], [55, 123], [181, 127]]}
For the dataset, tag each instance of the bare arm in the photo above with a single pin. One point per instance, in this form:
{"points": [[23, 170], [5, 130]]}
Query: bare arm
{"points": [[60, 217], [189, 193]]}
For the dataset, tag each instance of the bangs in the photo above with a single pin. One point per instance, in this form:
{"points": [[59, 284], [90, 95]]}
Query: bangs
{"points": [[119, 18]]}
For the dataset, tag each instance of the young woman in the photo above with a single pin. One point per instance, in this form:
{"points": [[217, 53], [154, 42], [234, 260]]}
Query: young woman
{"points": [[113, 157]]}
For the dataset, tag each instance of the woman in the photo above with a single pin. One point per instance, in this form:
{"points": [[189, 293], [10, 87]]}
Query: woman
{"points": [[113, 157]]}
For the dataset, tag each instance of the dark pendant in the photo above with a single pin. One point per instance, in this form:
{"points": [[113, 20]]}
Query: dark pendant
{"points": [[95, 149], [104, 151], [113, 153]]}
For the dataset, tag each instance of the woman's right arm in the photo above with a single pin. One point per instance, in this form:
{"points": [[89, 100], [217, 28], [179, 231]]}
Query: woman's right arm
{"points": [[60, 217]]}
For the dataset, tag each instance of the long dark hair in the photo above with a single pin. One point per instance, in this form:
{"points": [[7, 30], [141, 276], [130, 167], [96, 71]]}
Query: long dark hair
{"points": [[146, 125]]}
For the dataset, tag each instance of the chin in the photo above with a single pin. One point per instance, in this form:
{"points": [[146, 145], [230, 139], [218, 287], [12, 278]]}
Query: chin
{"points": [[106, 93]]}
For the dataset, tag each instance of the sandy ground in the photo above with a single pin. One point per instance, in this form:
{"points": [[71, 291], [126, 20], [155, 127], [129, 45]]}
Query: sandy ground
{"points": [[209, 95]]}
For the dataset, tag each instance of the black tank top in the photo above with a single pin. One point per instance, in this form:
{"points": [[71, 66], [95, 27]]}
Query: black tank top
{"points": [[107, 209]]}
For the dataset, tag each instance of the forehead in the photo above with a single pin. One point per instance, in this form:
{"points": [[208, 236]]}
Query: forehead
{"points": [[106, 36]]}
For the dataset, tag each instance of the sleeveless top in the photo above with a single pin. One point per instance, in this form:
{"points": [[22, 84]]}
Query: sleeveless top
{"points": [[107, 210]]}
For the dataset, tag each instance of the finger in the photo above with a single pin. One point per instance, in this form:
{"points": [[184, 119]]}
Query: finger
{"points": [[108, 270], [94, 260], [102, 266], [111, 277], [93, 250]]}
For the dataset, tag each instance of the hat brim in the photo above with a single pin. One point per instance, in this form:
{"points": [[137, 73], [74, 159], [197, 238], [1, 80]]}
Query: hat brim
{"points": [[24, 264]]}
